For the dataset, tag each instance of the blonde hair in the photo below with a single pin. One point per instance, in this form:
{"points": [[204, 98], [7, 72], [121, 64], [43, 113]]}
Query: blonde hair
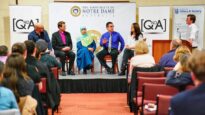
{"points": [[183, 59], [141, 47], [180, 51]]}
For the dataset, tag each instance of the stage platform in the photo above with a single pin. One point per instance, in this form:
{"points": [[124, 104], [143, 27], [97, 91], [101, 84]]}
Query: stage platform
{"points": [[93, 83]]}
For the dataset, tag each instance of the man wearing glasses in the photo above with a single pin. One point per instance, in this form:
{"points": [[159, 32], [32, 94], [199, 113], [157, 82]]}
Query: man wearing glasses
{"points": [[110, 42]]}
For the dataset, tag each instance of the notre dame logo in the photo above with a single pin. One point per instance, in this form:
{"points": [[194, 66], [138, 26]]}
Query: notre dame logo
{"points": [[75, 11]]}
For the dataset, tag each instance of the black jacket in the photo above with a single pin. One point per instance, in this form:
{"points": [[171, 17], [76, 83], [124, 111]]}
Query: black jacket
{"points": [[57, 42], [52, 97]]}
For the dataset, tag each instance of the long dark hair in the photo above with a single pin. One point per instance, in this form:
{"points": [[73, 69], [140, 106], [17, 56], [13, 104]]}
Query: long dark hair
{"points": [[15, 67], [137, 31]]}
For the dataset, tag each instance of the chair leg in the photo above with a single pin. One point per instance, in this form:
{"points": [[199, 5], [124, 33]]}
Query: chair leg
{"points": [[66, 66], [92, 70], [53, 111], [100, 68], [78, 71], [73, 68], [116, 68]]}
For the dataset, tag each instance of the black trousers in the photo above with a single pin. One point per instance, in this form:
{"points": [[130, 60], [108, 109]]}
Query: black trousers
{"points": [[100, 55], [126, 56], [62, 55]]}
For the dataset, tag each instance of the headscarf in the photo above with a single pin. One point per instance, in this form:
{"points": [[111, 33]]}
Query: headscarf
{"points": [[85, 39]]}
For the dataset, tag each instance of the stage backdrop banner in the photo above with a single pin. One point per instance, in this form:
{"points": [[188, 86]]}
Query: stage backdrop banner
{"points": [[154, 23], [179, 21], [94, 16], [22, 20]]}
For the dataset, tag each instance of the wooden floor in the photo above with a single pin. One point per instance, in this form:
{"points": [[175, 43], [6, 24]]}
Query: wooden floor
{"points": [[94, 104]]}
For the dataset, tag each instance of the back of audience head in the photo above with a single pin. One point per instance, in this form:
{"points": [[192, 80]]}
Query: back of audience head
{"points": [[41, 46], [30, 46], [19, 48], [3, 50], [15, 65], [180, 51], [141, 47], [1, 71], [175, 44], [15, 68], [183, 59], [197, 66]]}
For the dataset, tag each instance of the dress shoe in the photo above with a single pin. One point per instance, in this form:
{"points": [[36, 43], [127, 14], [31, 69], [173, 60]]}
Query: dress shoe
{"points": [[122, 73], [71, 73], [63, 73], [84, 71], [108, 70], [112, 71]]}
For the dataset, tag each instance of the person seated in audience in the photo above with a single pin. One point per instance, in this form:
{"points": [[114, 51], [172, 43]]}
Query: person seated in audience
{"points": [[180, 77], [43, 70], [7, 98], [179, 52], [191, 102], [33, 73], [44, 56], [142, 58], [32, 60], [16, 79], [136, 35], [85, 49], [167, 59], [3, 53], [39, 33]]}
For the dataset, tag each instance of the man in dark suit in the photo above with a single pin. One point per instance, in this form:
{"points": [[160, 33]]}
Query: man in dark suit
{"points": [[191, 102], [62, 45]]}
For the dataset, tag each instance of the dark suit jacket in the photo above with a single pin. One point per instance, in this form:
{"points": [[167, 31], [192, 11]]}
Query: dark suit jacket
{"points": [[57, 42], [191, 102]]}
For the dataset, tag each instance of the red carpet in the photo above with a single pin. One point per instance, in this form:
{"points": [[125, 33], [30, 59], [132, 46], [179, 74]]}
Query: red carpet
{"points": [[94, 104]]}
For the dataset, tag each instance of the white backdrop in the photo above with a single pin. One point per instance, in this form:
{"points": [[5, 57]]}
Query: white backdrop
{"points": [[22, 20], [154, 23], [94, 16], [179, 21]]}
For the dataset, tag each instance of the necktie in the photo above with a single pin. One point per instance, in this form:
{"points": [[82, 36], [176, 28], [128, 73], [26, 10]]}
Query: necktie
{"points": [[110, 43]]}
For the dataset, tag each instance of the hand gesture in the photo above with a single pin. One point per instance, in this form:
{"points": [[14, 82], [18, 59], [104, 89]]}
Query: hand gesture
{"points": [[104, 41], [91, 49]]}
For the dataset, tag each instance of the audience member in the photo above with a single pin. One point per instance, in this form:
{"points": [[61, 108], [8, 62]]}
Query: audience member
{"points": [[142, 58], [62, 45], [16, 79], [191, 102], [179, 52], [33, 73], [44, 56], [167, 59], [32, 60], [85, 49], [3, 53], [52, 96], [110, 42], [7, 98], [180, 77]]}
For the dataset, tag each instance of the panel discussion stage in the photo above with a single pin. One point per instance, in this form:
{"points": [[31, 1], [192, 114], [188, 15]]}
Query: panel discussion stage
{"points": [[93, 83]]}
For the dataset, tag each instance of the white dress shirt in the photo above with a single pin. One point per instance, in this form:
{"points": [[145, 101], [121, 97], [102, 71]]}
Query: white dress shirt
{"points": [[193, 33]]}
